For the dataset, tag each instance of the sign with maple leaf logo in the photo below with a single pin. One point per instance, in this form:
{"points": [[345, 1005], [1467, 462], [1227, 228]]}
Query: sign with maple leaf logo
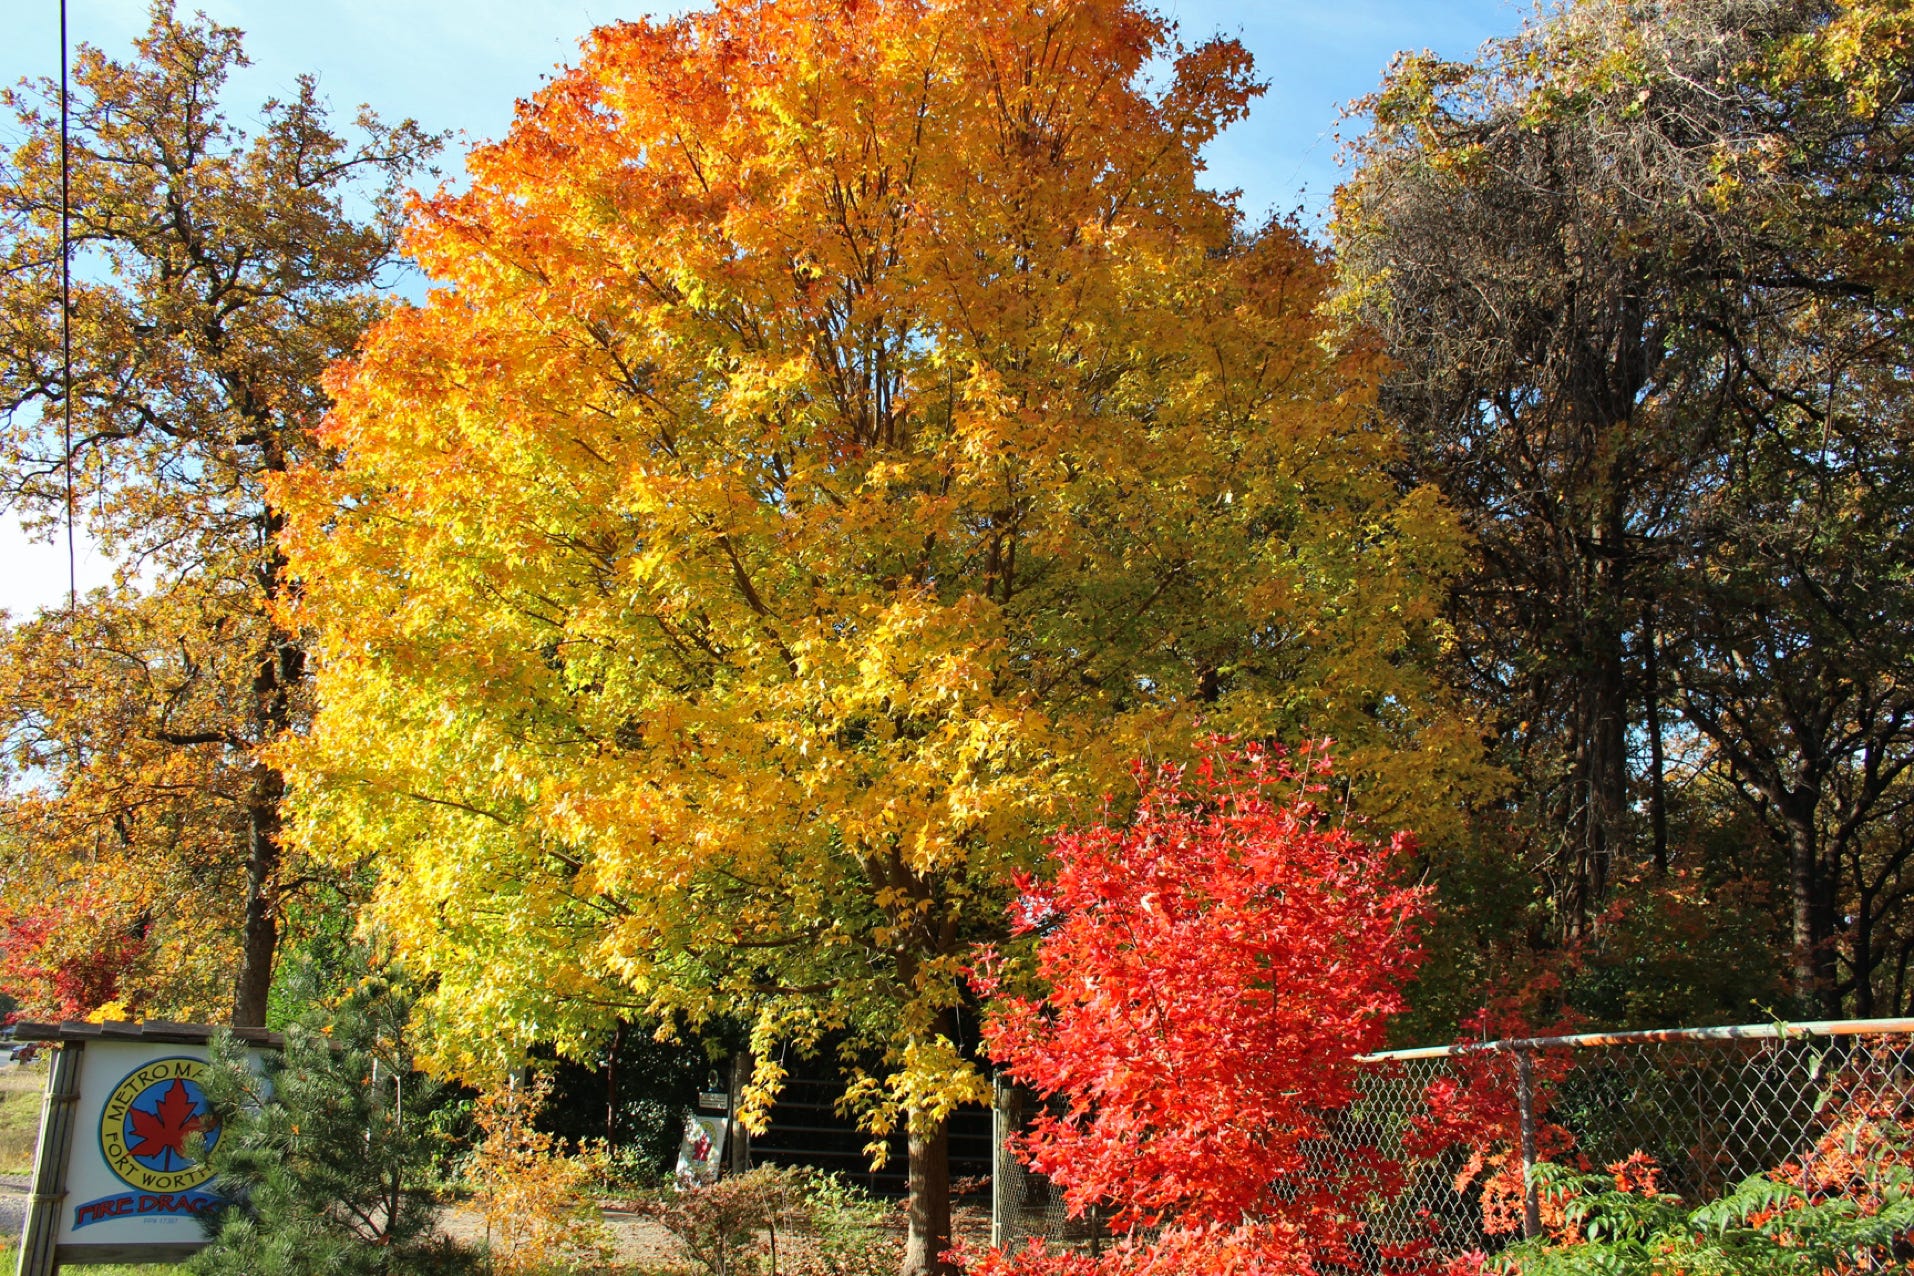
{"points": [[148, 1121], [145, 1135], [124, 1177]]}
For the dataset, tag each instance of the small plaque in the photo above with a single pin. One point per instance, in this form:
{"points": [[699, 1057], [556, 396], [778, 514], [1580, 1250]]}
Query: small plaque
{"points": [[701, 1153]]}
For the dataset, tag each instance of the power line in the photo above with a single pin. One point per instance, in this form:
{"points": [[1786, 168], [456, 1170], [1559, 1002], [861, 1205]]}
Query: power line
{"points": [[66, 331]]}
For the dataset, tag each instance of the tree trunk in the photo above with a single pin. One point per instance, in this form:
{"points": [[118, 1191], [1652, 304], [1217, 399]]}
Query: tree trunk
{"points": [[1827, 919], [1598, 808], [1657, 763], [282, 666], [929, 1204], [1864, 957], [743, 1064], [1812, 914], [1802, 862], [1608, 783], [260, 938], [1608, 778], [1599, 784], [611, 1083]]}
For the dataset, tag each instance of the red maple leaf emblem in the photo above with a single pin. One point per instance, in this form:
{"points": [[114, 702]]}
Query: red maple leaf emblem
{"points": [[165, 1128]]}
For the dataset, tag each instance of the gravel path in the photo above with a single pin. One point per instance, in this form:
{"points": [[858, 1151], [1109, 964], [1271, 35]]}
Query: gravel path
{"points": [[642, 1242], [13, 1205]]}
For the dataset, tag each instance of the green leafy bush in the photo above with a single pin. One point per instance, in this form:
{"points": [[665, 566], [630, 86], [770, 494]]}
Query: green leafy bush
{"points": [[1619, 1224]]}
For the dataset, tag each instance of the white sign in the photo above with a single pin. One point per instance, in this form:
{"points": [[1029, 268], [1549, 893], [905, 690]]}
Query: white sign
{"points": [[120, 1174], [701, 1151], [131, 1173]]}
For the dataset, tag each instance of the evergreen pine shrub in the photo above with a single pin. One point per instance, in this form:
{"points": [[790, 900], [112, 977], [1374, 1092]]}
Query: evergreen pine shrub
{"points": [[326, 1149]]}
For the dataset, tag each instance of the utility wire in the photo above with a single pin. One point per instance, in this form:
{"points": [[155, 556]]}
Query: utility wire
{"points": [[66, 332]]}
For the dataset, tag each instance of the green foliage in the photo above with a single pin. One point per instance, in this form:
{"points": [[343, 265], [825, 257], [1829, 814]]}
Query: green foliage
{"points": [[1682, 950], [846, 1223], [1765, 1225], [326, 1149], [634, 1094], [317, 953]]}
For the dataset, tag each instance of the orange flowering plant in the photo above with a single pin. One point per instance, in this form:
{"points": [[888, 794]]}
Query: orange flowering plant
{"points": [[1620, 1223]]}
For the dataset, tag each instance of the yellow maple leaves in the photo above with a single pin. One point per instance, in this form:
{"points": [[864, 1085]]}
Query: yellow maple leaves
{"points": [[842, 437]]}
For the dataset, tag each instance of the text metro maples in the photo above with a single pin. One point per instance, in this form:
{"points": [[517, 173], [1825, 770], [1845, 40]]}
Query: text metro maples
{"points": [[842, 434]]}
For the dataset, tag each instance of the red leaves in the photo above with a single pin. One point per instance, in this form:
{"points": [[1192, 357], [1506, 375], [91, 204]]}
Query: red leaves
{"points": [[1637, 1172], [165, 1128], [1214, 967], [1477, 1108], [68, 960]]}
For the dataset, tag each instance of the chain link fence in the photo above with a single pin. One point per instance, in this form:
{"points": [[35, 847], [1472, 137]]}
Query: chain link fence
{"points": [[1462, 1124], [1024, 1205]]}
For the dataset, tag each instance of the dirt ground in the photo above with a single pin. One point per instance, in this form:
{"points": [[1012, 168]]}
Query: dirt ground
{"points": [[642, 1244], [645, 1246]]}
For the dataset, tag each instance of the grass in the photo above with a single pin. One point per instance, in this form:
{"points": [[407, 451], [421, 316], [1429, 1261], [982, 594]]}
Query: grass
{"points": [[21, 1088], [10, 1260]]}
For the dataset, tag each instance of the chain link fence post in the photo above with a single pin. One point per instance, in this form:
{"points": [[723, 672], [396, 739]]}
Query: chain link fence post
{"points": [[1525, 1106]]}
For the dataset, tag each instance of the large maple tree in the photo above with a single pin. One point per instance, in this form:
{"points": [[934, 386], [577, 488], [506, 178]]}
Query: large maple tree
{"points": [[841, 434]]}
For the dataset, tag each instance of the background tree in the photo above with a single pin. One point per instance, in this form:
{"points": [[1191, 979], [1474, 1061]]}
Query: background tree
{"points": [[67, 962], [1796, 639], [1634, 268], [840, 436], [218, 274]]}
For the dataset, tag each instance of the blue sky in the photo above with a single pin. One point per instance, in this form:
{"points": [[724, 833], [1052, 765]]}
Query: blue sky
{"points": [[460, 64]]}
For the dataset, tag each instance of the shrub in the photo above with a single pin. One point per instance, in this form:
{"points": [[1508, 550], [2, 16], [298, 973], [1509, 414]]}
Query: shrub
{"points": [[1211, 966], [325, 1154], [1621, 1224], [539, 1217], [779, 1221]]}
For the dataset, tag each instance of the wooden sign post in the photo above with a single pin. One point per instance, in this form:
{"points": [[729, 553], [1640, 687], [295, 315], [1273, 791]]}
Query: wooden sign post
{"points": [[113, 1178]]}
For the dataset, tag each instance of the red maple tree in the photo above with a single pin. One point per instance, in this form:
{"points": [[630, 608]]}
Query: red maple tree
{"points": [[67, 961], [1213, 967]]}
